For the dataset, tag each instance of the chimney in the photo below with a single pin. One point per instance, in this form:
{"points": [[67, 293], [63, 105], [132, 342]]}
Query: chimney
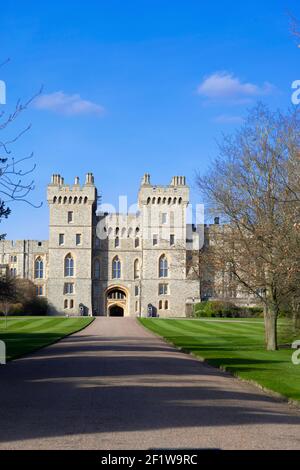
{"points": [[76, 180], [146, 179], [178, 181], [89, 178]]}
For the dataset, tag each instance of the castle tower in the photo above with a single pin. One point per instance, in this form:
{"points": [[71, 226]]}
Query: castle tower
{"points": [[71, 208], [163, 210]]}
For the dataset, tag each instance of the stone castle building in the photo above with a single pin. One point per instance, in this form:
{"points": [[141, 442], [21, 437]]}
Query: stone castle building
{"points": [[114, 264]]}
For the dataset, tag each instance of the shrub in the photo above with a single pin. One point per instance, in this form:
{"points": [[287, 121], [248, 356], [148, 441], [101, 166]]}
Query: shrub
{"points": [[225, 309], [36, 307]]}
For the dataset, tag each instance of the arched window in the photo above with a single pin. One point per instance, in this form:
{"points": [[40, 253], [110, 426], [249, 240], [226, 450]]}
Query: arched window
{"points": [[160, 305], [117, 242], [65, 303], [137, 242], [163, 266], [71, 303], [137, 269], [116, 268], [69, 266], [39, 268], [166, 305], [97, 269]]}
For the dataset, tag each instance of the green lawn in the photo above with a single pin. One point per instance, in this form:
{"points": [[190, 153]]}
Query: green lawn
{"points": [[26, 334], [237, 346]]}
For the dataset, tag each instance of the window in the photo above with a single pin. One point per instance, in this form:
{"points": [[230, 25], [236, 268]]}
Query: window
{"points": [[97, 269], [137, 306], [71, 303], [117, 294], [136, 290], [136, 242], [164, 218], [39, 268], [166, 305], [69, 288], [39, 290], [155, 240], [172, 239], [117, 242], [13, 259], [163, 289], [78, 238], [69, 266], [61, 239], [163, 266], [65, 303], [70, 217], [116, 268], [160, 304], [137, 269], [13, 272]]}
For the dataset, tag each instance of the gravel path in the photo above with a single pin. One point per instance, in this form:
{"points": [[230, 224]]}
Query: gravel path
{"points": [[116, 386]]}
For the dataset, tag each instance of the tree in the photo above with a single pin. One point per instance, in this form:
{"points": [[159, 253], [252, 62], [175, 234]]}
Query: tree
{"points": [[251, 186], [14, 174], [7, 294]]}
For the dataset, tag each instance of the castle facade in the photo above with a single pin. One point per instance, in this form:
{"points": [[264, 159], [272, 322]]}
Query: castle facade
{"points": [[112, 264]]}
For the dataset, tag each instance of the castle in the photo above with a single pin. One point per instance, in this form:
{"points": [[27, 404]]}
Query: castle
{"points": [[112, 264]]}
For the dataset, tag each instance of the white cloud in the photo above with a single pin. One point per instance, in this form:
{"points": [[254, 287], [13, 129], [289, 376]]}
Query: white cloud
{"points": [[228, 119], [226, 87], [70, 105]]}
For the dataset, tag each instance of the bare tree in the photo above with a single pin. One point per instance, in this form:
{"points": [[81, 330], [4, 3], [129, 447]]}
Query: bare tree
{"points": [[251, 187], [15, 171]]}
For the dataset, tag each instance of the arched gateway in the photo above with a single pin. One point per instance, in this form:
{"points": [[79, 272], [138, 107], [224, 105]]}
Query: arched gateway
{"points": [[116, 302]]}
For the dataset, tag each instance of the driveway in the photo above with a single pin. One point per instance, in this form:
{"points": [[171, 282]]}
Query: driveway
{"points": [[116, 386]]}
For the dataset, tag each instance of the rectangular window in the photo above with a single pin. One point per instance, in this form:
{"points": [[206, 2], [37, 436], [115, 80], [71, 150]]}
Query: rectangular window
{"points": [[70, 216], [136, 290], [155, 240], [163, 289], [61, 239], [164, 218], [69, 288], [78, 238], [39, 290], [172, 239]]}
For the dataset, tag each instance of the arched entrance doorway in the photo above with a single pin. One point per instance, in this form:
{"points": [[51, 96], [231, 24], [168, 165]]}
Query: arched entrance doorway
{"points": [[116, 311], [116, 302]]}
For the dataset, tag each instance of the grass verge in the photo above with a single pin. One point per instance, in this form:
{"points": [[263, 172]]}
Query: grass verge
{"points": [[235, 346], [26, 334]]}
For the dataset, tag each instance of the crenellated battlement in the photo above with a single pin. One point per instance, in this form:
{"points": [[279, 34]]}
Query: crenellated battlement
{"points": [[176, 193], [61, 193]]}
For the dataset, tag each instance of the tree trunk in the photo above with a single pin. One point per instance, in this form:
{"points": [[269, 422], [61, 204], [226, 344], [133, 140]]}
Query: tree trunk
{"points": [[296, 315], [296, 320], [270, 317]]}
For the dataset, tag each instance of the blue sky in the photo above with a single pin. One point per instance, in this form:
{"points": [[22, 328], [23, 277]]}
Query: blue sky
{"points": [[137, 86]]}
